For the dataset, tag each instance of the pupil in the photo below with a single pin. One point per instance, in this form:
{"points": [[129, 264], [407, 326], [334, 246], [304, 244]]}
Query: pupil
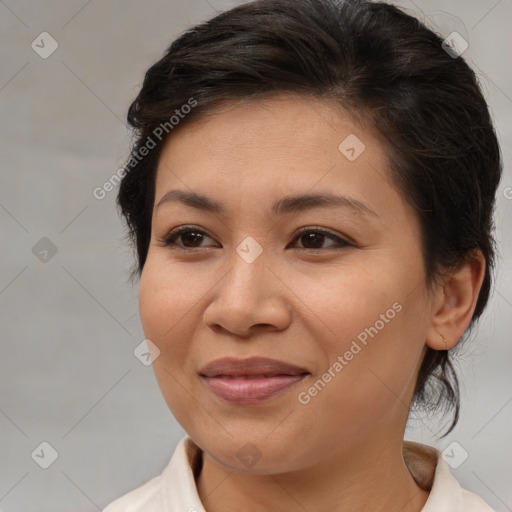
{"points": [[192, 236], [311, 238]]}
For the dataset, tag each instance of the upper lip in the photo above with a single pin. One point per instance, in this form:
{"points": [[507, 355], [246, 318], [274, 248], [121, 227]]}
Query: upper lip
{"points": [[233, 367]]}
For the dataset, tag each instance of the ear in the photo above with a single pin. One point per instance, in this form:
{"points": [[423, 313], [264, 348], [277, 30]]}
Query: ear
{"points": [[454, 303]]}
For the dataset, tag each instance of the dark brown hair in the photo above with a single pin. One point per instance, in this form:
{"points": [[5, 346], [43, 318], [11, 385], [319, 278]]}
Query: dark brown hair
{"points": [[380, 64]]}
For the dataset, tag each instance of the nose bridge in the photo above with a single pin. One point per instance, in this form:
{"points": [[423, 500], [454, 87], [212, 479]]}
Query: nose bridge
{"points": [[249, 294], [248, 269]]}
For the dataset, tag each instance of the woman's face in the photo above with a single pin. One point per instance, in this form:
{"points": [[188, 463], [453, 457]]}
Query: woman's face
{"points": [[348, 305]]}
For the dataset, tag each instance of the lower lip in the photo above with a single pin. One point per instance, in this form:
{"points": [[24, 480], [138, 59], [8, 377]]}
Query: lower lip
{"points": [[252, 390]]}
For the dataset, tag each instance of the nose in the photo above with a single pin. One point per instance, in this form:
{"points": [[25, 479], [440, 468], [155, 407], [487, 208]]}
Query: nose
{"points": [[250, 298]]}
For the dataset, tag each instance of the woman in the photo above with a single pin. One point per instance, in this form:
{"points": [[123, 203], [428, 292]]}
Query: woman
{"points": [[292, 364]]}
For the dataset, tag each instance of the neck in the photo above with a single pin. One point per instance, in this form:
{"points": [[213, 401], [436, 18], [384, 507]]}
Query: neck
{"points": [[367, 478]]}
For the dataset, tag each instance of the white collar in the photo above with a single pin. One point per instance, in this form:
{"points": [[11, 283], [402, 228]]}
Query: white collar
{"points": [[424, 462], [175, 489]]}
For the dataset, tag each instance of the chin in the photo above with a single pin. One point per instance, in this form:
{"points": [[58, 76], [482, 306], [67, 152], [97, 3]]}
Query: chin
{"points": [[253, 457]]}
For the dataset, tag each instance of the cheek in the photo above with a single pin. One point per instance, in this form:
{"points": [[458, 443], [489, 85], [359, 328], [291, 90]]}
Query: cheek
{"points": [[349, 299], [378, 322], [165, 295], [368, 383], [162, 306]]}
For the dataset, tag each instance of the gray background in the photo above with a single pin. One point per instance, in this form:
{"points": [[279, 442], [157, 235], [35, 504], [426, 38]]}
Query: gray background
{"points": [[70, 324]]}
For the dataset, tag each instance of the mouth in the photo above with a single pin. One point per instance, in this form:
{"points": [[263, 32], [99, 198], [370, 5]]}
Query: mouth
{"points": [[250, 381], [253, 377], [251, 367]]}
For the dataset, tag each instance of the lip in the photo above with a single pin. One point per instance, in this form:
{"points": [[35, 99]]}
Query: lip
{"points": [[250, 381], [250, 367]]}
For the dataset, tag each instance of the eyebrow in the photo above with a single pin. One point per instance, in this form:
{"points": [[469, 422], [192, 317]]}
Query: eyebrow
{"points": [[288, 204]]}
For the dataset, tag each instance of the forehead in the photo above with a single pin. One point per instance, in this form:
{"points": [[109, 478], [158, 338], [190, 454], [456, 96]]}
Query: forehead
{"points": [[265, 147]]}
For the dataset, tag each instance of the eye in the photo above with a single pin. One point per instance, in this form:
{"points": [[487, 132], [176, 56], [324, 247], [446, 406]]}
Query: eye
{"points": [[313, 238], [310, 238], [188, 235]]}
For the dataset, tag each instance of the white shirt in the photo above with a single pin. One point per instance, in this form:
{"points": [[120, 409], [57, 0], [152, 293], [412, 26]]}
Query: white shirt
{"points": [[175, 489]]}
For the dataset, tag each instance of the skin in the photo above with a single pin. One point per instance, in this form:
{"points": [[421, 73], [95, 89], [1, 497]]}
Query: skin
{"points": [[342, 450]]}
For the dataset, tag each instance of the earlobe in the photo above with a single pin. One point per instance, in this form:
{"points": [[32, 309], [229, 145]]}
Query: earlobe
{"points": [[455, 302], [444, 345]]}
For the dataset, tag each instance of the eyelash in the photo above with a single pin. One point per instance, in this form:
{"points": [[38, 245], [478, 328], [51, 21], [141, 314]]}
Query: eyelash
{"points": [[170, 239]]}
